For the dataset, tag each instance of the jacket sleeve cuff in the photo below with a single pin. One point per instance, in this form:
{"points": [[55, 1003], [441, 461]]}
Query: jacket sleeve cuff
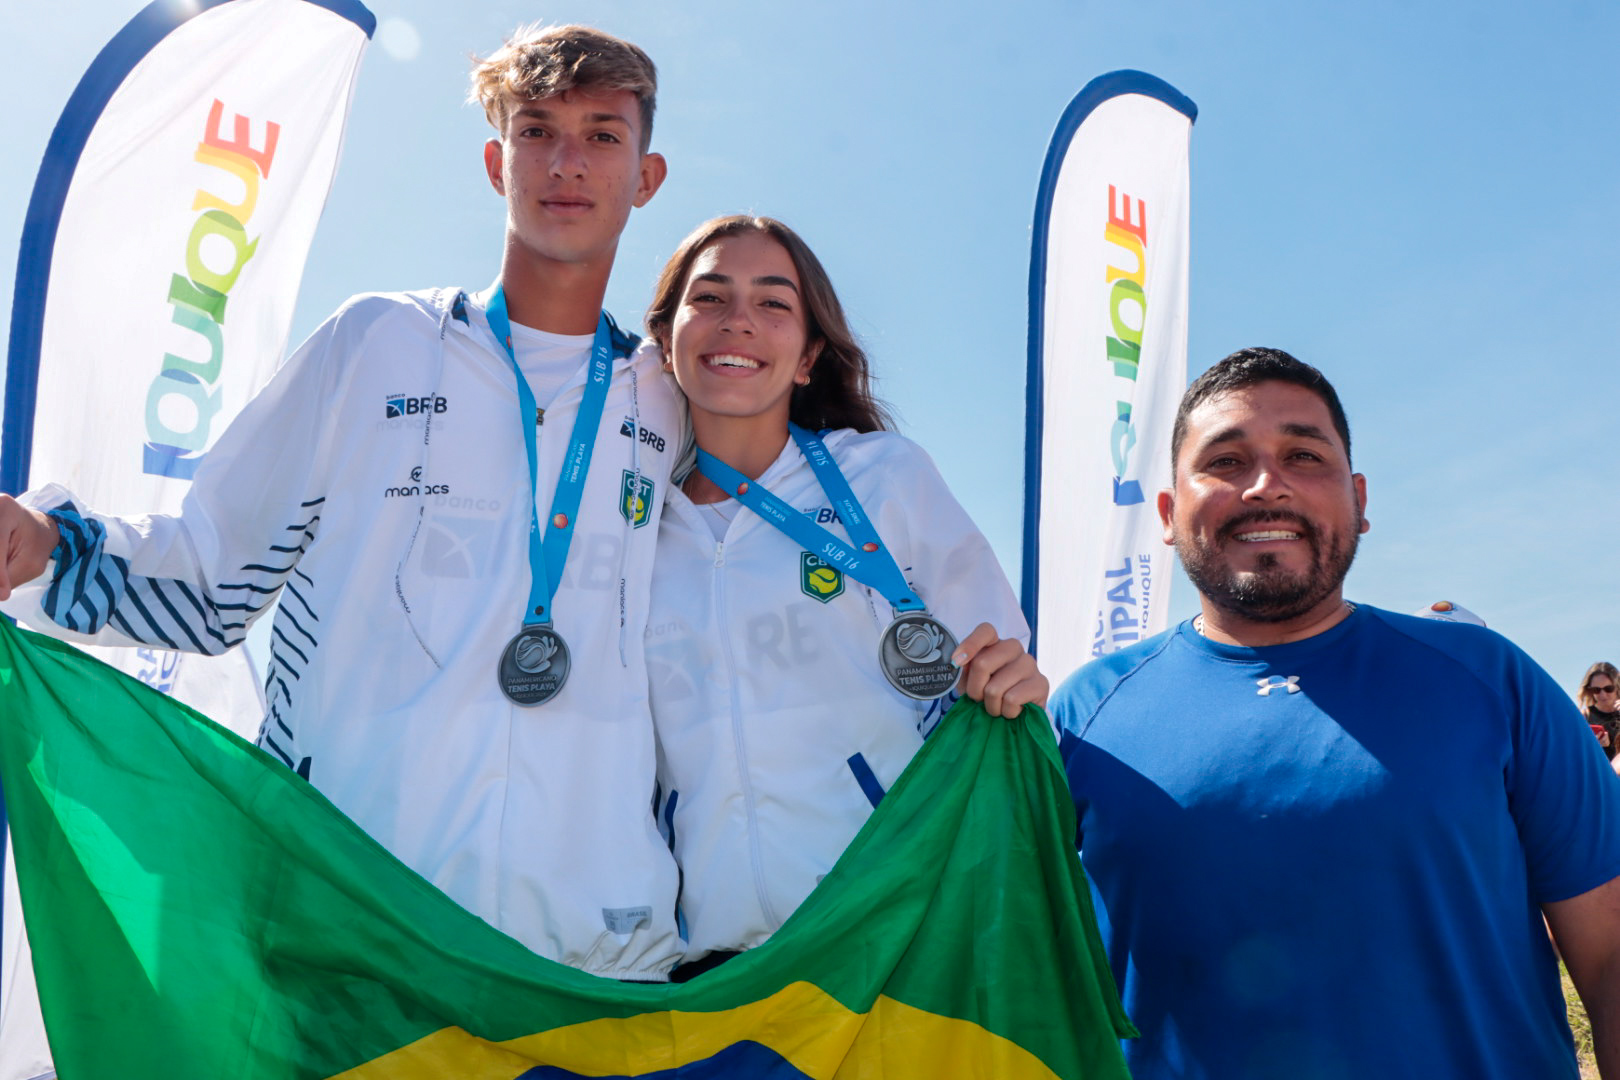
{"points": [[84, 582]]}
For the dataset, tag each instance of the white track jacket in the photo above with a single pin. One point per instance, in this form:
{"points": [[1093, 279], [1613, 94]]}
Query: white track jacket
{"points": [[378, 485], [778, 732]]}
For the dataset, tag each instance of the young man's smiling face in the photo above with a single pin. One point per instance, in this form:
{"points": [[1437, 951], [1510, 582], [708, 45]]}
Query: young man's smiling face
{"points": [[1265, 513], [571, 169]]}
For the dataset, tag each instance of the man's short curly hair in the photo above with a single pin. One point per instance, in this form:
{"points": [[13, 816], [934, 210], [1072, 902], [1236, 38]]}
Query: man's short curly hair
{"points": [[540, 61], [1249, 367]]}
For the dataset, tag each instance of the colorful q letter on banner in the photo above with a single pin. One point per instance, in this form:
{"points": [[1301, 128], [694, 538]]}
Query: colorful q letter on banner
{"points": [[1107, 366], [159, 266], [160, 262]]}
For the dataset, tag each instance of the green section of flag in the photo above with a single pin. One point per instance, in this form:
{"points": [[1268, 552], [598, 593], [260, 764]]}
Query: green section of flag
{"points": [[197, 910]]}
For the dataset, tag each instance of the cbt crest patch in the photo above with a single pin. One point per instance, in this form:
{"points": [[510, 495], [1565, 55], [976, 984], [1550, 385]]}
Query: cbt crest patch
{"points": [[817, 579], [635, 505]]}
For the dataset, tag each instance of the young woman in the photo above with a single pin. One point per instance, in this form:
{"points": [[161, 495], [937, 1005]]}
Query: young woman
{"points": [[814, 574]]}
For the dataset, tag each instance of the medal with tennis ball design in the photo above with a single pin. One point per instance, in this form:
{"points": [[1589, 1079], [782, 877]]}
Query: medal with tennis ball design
{"points": [[915, 654], [534, 666]]}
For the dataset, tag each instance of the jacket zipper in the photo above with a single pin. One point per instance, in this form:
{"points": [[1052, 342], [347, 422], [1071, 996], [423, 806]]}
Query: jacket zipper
{"points": [[737, 736]]}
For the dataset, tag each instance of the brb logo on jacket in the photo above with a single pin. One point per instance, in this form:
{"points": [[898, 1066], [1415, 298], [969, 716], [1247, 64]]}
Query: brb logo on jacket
{"points": [[399, 405], [1277, 682], [817, 579], [648, 436], [635, 500]]}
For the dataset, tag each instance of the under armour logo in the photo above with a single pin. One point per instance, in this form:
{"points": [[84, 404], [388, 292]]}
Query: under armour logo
{"points": [[1277, 682]]}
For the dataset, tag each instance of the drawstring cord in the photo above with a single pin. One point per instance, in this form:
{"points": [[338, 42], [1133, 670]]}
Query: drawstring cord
{"points": [[632, 505], [421, 499]]}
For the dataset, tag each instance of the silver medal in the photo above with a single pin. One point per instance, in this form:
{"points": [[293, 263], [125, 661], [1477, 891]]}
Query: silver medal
{"points": [[534, 666], [915, 654]]}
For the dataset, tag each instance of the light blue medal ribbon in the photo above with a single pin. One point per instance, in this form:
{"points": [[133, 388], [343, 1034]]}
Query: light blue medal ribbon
{"points": [[915, 650], [868, 561], [536, 661]]}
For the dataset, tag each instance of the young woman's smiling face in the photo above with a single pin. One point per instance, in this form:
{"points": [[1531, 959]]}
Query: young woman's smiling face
{"points": [[739, 342]]}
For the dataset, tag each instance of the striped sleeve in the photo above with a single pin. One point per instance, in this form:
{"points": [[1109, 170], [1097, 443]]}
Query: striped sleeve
{"points": [[92, 590]]}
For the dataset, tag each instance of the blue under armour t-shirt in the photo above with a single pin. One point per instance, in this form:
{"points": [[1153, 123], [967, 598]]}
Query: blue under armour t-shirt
{"points": [[1323, 860]]}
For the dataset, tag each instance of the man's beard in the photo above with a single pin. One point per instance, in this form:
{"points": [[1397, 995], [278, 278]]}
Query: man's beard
{"points": [[1268, 593]]}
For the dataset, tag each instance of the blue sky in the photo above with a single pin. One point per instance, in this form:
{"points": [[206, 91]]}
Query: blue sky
{"points": [[1420, 199]]}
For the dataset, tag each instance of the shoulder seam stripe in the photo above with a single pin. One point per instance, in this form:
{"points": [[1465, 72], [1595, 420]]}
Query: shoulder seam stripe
{"points": [[1119, 682], [281, 661], [296, 625], [301, 600], [276, 630]]}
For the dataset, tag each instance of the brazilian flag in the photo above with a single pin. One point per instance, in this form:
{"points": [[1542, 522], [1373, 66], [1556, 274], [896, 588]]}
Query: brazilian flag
{"points": [[198, 911]]}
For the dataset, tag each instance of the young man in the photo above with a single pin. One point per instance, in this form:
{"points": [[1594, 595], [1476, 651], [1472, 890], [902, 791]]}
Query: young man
{"points": [[1326, 881], [438, 571]]}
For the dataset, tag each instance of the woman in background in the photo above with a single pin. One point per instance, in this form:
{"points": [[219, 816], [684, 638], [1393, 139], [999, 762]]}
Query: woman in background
{"points": [[1599, 699]]}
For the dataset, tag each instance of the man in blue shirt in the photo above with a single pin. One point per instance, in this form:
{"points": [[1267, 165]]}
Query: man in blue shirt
{"points": [[1324, 835]]}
